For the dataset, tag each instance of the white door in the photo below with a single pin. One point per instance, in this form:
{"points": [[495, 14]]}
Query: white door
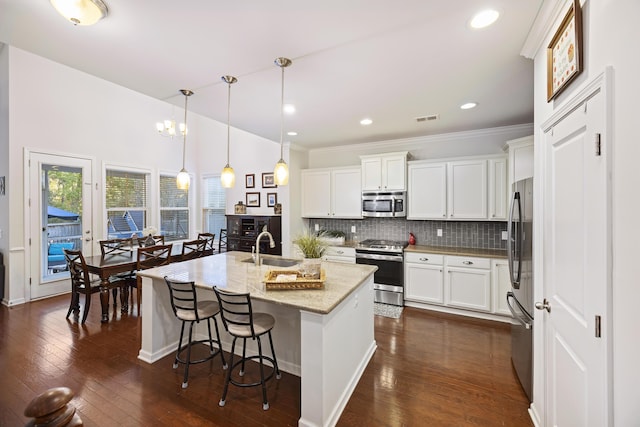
{"points": [[576, 270], [59, 217]]}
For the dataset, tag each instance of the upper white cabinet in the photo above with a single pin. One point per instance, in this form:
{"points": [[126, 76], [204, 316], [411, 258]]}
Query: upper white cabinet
{"points": [[520, 158], [331, 193], [384, 172], [469, 189]]}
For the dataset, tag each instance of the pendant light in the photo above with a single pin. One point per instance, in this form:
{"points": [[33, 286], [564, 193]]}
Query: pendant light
{"points": [[228, 176], [281, 171], [183, 180]]}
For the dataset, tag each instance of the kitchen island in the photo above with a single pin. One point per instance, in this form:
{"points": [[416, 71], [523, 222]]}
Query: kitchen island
{"points": [[325, 336]]}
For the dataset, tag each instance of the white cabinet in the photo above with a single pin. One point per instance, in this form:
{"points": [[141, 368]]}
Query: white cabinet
{"points": [[342, 254], [500, 285], [424, 275], [384, 172], [468, 283], [467, 189], [498, 191], [520, 158], [427, 194], [331, 193]]}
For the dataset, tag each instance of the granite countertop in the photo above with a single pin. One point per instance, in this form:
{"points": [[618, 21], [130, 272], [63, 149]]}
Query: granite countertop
{"points": [[227, 270], [445, 250]]}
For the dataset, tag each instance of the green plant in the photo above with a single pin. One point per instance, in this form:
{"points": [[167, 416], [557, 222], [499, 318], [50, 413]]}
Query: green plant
{"points": [[310, 244]]}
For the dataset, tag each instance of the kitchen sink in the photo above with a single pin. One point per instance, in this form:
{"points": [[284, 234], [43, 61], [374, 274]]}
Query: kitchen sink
{"points": [[276, 262]]}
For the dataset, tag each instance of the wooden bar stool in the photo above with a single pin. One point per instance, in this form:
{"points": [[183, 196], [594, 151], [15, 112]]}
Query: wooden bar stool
{"points": [[241, 322]]}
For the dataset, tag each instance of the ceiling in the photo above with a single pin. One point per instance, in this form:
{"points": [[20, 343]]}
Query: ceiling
{"points": [[389, 61]]}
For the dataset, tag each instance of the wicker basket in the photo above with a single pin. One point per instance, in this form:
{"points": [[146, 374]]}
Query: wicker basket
{"points": [[273, 282]]}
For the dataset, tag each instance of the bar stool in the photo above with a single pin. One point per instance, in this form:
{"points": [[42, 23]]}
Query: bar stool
{"points": [[187, 308], [240, 321]]}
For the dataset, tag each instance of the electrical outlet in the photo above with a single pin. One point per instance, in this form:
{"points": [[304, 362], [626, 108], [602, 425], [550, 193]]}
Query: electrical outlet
{"points": [[353, 228], [317, 227], [505, 236], [439, 232]]}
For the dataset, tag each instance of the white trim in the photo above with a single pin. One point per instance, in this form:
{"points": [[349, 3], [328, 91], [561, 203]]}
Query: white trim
{"points": [[549, 13]]}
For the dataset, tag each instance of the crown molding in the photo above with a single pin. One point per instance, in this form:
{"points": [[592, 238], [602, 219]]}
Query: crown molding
{"points": [[548, 14]]}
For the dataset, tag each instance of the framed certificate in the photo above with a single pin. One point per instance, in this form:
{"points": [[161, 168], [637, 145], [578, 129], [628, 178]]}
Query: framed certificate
{"points": [[564, 53]]}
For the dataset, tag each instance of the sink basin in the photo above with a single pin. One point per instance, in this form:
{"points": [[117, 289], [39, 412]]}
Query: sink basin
{"points": [[276, 262]]}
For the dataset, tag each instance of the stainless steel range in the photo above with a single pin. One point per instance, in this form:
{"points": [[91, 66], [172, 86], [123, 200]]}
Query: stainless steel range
{"points": [[388, 256]]}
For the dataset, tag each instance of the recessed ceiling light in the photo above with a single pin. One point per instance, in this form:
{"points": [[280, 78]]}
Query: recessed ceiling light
{"points": [[366, 122], [468, 105], [289, 108], [292, 133], [484, 19]]}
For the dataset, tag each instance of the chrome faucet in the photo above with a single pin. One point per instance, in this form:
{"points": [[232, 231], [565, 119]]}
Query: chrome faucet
{"points": [[272, 244]]}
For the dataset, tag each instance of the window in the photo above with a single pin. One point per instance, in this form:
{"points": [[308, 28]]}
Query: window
{"points": [[213, 206], [174, 210], [126, 203]]}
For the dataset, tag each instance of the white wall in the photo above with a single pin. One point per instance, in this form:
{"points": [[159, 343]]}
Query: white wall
{"points": [[4, 154], [59, 110], [610, 28]]}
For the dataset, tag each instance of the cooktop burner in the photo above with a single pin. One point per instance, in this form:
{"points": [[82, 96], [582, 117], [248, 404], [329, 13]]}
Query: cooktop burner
{"points": [[383, 245]]}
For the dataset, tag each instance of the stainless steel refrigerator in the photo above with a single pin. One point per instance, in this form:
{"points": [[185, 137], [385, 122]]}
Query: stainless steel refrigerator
{"points": [[520, 297]]}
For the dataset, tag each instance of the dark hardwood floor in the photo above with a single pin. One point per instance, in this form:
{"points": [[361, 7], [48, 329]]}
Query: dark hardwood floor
{"points": [[429, 370]]}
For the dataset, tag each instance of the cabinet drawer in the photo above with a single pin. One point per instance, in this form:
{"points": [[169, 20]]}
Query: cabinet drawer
{"points": [[342, 251], [468, 262], [423, 258]]}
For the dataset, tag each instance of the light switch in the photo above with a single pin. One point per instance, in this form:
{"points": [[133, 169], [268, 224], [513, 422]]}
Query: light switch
{"points": [[317, 227], [353, 228], [439, 232]]}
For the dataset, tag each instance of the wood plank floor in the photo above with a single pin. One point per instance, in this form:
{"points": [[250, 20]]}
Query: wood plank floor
{"points": [[429, 369]]}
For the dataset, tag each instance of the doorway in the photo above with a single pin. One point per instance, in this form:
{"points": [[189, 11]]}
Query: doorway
{"points": [[60, 218]]}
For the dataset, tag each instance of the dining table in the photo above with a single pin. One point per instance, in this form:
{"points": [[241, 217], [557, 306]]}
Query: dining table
{"points": [[107, 266]]}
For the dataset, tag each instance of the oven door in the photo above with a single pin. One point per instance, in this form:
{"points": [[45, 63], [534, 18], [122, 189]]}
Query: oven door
{"points": [[388, 279]]}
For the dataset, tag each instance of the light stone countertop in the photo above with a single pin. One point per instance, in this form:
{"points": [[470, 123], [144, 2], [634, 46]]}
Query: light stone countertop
{"points": [[445, 250], [227, 271]]}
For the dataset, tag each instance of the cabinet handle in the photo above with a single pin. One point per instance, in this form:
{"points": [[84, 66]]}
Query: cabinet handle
{"points": [[424, 259], [494, 215], [467, 262], [340, 252]]}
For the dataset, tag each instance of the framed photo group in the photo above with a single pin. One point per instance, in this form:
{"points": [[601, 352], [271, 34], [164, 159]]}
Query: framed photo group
{"points": [[253, 197]]}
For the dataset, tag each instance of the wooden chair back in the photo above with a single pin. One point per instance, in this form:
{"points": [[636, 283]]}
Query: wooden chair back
{"points": [[154, 256], [209, 237], [222, 241], [159, 240], [193, 249], [116, 246], [80, 278]]}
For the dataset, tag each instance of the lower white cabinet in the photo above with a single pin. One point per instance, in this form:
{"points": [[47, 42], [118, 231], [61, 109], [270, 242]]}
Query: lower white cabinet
{"points": [[423, 275], [500, 284], [342, 254]]}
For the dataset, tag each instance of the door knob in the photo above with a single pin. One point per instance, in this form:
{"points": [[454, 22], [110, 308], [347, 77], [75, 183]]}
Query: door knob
{"points": [[544, 305]]}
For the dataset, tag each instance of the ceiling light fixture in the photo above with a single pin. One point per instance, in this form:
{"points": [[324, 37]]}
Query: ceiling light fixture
{"points": [[292, 133], [484, 19], [289, 108], [366, 122], [228, 176], [81, 12], [281, 171], [167, 128], [183, 179], [468, 106]]}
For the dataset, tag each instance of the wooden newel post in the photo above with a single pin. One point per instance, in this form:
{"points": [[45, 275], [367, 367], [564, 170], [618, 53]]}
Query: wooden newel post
{"points": [[51, 409]]}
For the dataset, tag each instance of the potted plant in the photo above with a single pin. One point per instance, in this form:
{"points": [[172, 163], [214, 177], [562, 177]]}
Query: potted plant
{"points": [[312, 247]]}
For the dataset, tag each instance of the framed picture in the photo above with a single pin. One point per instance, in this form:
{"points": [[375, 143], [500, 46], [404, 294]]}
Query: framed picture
{"points": [[250, 180], [268, 181], [272, 199], [564, 53], [253, 200]]}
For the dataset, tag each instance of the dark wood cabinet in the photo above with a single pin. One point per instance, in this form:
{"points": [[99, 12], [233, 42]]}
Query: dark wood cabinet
{"points": [[242, 231]]}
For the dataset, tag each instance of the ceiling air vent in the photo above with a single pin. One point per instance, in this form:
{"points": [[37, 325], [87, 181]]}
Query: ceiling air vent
{"points": [[427, 118]]}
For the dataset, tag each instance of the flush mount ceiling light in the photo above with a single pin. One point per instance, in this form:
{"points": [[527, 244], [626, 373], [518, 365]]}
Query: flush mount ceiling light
{"points": [[468, 105], [484, 19], [81, 12], [281, 171], [366, 122], [228, 176], [183, 179]]}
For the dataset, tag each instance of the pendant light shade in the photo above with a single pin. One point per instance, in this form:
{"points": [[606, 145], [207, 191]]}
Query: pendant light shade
{"points": [[183, 179], [228, 176], [281, 171], [81, 12]]}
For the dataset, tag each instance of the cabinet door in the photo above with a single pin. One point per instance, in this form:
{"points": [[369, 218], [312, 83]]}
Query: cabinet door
{"points": [[498, 196], [424, 283], [316, 193], [467, 189], [372, 173], [346, 193], [234, 228], [394, 173], [500, 285], [427, 196], [468, 288]]}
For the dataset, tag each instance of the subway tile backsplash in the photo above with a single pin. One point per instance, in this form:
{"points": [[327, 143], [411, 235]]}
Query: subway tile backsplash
{"points": [[463, 234]]}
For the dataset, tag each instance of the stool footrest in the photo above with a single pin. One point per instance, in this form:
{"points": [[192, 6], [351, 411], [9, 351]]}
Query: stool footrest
{"points": [[183, 360], [256, 357]]}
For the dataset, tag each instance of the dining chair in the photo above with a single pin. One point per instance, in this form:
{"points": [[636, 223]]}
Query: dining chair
{"points": [[188, 309], [240, 321], [222, 240], [149, 257], [116, 247], [193, 249], [209, 237], [81, 283]]}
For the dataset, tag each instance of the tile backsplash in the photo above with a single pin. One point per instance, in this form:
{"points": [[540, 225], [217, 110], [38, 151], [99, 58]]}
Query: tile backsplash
{"points": [[464, 234]]}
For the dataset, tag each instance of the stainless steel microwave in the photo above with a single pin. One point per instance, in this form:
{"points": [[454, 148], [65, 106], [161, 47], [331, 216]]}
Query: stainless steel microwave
{"points": [[384, 204]]}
